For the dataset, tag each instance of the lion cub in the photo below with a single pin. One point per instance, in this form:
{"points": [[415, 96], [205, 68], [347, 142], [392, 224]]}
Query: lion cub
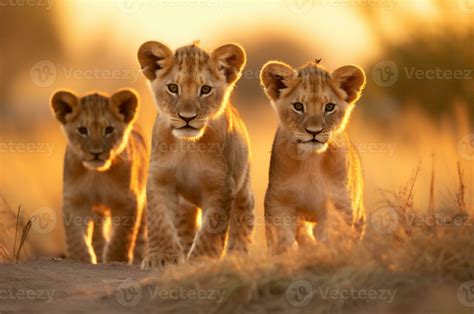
{"points": [[313, 163], [104, 175], [200, 155]]}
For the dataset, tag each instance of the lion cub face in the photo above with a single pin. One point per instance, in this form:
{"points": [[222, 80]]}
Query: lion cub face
{"points": [[311, 103], [190, 86], [97, 126]]}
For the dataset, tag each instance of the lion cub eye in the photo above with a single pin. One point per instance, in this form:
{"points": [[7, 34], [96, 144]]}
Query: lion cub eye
{"points": [[298, 107], [329, 107], [82, 130], [109, 130], [205, 89], [173, 88]]}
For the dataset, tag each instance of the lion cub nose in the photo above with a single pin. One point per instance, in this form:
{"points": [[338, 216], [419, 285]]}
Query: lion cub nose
{"points": [[187, 117], [314, 131]]}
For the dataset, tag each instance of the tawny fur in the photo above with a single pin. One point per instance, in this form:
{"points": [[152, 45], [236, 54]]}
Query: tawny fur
{"points": [[314, 167], [200, 155], [104, 176]]}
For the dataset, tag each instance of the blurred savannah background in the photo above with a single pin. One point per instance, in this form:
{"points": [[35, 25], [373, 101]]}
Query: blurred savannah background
{"points": [[415, 113]]}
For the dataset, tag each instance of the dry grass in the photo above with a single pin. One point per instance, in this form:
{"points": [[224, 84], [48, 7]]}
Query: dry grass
{"points": [[14, 244], [7, 231]]}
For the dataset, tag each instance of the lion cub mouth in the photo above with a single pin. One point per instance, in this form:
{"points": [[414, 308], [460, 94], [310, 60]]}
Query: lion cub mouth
{"points": [[187, 127], [313, 141], [313, 145], [188, 132], [97, 164]]}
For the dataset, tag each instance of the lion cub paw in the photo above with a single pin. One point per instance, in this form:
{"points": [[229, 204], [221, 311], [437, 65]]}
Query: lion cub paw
{"points": [[158, 261]]}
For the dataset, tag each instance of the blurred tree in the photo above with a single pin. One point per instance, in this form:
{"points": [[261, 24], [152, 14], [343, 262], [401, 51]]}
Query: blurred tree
{"points": [[28, 34], [435, 67]]}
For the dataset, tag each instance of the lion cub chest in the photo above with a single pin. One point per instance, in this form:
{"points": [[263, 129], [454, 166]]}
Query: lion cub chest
{"points": [[193, 172], [307, 187], [100, 188]]}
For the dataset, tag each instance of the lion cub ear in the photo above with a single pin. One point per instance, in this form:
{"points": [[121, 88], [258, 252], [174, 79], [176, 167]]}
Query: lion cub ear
{"points": [[154, 56], [275, 76], [351, 79], [230, 59], [125, 105], [64, 105]]}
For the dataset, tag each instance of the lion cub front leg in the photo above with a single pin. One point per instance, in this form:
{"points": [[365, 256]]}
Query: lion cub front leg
{"points": [[163, 242], [77, 220], [210, 239], [141, 241], [302, 234], [185, 224], [125, 215], [280, 226], [342, 202], [98, 239], [242, 220]]}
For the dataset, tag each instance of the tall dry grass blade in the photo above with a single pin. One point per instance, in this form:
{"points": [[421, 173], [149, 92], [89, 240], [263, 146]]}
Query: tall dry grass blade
{"points": [[3, 253], [431, 204], [411, 184], [405, 199], [461, 203], [16, 229], [24, 235]]}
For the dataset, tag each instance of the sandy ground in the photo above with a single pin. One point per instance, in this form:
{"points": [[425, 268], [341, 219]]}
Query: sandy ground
{"points": [[55, 285]]}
